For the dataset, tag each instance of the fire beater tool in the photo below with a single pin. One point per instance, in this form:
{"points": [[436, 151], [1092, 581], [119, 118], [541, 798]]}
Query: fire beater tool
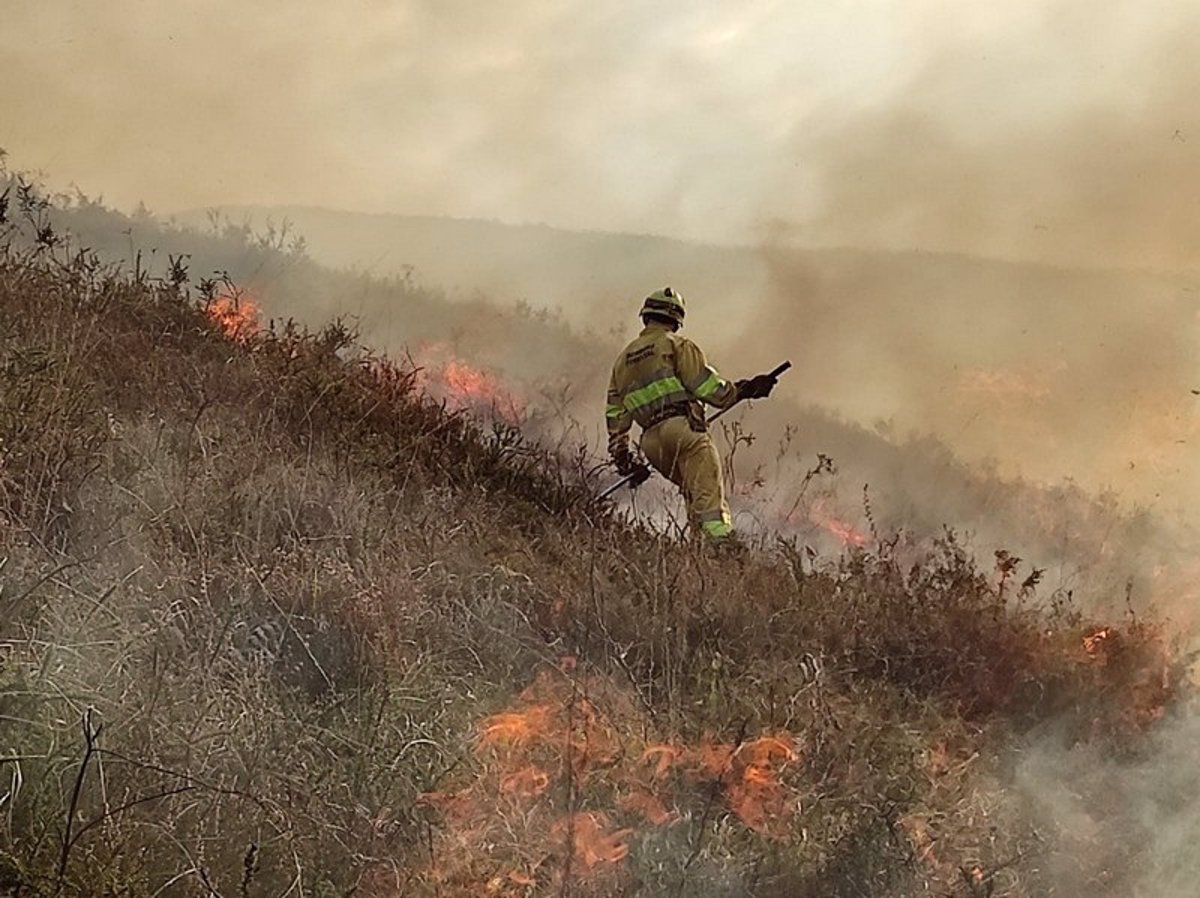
{"points": [[642, 472]]}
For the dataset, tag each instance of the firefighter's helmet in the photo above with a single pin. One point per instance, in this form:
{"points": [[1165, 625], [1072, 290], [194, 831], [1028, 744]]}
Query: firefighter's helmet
{"points": [[664, 303]]}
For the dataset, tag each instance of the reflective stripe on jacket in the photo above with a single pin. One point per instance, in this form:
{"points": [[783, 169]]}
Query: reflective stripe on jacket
{"points": [[658, 370]]}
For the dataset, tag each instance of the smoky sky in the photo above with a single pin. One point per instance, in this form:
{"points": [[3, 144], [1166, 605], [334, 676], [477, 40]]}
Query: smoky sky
{"points": [[1047, 130]]}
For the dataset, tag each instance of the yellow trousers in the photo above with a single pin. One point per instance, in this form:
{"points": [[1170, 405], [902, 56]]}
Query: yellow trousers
{"points": [[690, 461]]}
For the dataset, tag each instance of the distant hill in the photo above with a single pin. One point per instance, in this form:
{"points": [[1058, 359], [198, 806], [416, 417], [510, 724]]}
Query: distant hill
{"points": [[590, 276]]}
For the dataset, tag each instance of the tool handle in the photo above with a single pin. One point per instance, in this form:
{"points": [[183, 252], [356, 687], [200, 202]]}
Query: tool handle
{"points": [[633, 480], [779, 369]]}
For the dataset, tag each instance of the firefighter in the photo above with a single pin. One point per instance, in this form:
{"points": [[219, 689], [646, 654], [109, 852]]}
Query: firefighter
{"points": [[661, 381]]}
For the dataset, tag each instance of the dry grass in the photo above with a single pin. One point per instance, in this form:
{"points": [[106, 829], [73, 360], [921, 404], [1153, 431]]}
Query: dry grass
{"points": [[261, 600]]}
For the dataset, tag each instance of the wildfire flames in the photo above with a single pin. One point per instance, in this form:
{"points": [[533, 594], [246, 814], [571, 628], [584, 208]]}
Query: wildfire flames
{"points": [[562, 786], [1094, 643], [592, 840], [843, 530], [1143, 666], [236, 314], [749, 774], [819, 513], [463, 386]]}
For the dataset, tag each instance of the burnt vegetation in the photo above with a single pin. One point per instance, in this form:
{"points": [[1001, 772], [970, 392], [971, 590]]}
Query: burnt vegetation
{"points": [[273, 621]]}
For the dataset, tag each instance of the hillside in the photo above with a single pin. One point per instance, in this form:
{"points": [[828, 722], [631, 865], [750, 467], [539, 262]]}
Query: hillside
{"points": [[990, 356], [275, 620], [934, 336], [970, 357]]}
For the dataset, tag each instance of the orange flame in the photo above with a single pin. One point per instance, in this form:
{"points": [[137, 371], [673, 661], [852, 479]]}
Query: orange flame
{"points": [[749, 773], [592, 843], [1142, 662], [528, 782], [664, 758], [649, 806], [579, 730], [850, 535], [756, 795], [516, 729], [1095, 642], [465, 387], [236, 314]]}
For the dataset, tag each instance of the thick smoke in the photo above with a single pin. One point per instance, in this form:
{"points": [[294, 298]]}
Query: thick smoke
{"points": [[1043, 130], [1071, 139], [1052, 373], [1063, 145], [1100, 811]]}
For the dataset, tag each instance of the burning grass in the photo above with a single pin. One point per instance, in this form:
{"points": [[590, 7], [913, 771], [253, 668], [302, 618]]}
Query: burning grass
{"points": [[237, 315], [343, 636], [465, 387], [564, 782]]}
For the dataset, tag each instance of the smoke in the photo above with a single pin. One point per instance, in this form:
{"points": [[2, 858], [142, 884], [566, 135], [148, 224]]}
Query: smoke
{"points": [[1103, 813], [1066, 135], [1048, 131], [1051, 373], [1063, 141]]}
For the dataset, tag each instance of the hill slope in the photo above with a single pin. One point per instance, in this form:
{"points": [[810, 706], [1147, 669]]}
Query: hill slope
{"points": [[272, 620], [991, 356]]}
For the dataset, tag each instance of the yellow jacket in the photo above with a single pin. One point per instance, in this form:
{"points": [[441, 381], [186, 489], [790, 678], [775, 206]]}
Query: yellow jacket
{"points": [[660, 375]]}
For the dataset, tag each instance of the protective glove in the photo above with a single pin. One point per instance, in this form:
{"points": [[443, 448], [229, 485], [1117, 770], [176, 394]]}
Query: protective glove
{"points": [[757, 387], [639, 475], [623, 460]]}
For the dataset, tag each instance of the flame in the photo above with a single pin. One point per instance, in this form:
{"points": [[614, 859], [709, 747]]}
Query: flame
{"points": [[649, 806], [749, 772], [757, 795], [1141, 663], [237, 314], [528, 782], [664, 758], [850, 535], [566, 771], [517, 729], [1095, 642], [464, 386], [593, 844]]}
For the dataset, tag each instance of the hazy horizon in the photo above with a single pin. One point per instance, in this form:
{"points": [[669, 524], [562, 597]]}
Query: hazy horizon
{"points": [[1040, 130], [193, 216]]}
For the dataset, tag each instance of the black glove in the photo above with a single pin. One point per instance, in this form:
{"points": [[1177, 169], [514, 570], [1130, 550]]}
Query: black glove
{"points": [[622, 459], [758, 387]]}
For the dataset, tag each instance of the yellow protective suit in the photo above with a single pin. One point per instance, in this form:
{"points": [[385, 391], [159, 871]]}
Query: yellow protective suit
{"points": [[659, 381]]}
